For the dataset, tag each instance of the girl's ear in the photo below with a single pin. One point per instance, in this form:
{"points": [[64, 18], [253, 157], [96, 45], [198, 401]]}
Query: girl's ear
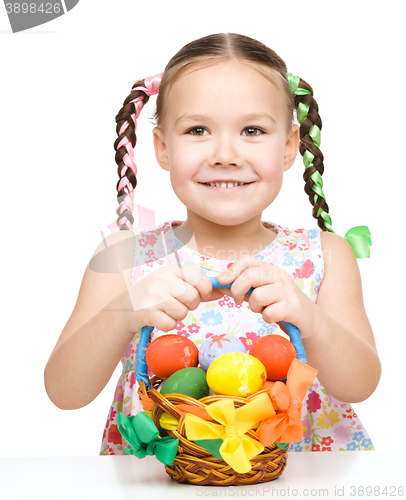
{"points": [[160, 148], [291, 147]]}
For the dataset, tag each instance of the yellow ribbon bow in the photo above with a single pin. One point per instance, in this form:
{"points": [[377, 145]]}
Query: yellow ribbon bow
{"points": [[286, 426], [237, 448]]}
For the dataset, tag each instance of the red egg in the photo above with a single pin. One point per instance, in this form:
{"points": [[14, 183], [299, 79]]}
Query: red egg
{"points": [[276, 353], [170, 353]]}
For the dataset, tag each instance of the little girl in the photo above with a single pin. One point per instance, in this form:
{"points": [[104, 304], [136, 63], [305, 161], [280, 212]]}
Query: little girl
{"points": [[226, 134]]}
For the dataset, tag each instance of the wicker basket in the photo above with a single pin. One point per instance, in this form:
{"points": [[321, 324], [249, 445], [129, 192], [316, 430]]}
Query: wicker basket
{"points": [[193, 464]]}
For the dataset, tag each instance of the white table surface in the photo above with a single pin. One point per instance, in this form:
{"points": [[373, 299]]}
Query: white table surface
{"points": [[314, 475]]}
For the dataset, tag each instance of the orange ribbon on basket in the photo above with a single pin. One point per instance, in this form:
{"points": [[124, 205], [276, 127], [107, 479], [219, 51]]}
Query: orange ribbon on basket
{"points": [[198, 411], [286, 426], [146, 402]]}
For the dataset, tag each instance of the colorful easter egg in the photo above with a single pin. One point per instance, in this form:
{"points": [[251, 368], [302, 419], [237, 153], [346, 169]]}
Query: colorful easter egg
{"points": [[276, 353], [216, 345], [236, 374], [169, 353], [188, 381]]}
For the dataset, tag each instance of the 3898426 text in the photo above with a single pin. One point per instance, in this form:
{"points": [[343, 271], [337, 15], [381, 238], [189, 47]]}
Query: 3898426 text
{"points": [[33, 8], [377, 491]]}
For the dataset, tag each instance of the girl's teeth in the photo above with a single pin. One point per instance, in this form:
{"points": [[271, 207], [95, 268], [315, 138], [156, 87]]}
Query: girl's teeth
{"points": [[224, 185]]}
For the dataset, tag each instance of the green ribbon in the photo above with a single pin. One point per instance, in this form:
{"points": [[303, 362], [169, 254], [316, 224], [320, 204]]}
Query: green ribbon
{"points": [[294, 85], [308, 158], [293, 81], [143, 437], [211, 445], [359, 237], [315, 134], [302, 111]]}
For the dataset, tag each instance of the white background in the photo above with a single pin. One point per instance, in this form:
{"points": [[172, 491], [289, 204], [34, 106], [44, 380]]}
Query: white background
{"points": [[62, 85]]}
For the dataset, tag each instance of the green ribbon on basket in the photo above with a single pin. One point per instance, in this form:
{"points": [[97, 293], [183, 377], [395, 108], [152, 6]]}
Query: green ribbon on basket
{"points": [[143, 437], [282, 446], [211, 445], [359, 238]]}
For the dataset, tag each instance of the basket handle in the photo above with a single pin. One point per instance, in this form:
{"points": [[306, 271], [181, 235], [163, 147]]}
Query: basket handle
{"points": [[141, 368]]}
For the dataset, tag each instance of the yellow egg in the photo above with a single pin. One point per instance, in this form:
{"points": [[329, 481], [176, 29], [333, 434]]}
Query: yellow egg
{"points": [[236, 374]]}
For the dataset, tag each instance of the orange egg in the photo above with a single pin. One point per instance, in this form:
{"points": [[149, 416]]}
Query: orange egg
{"points": [[169, 353], [276, 353]]}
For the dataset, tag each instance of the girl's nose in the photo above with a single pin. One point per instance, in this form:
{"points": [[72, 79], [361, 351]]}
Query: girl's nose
{"points": [[225, 152]]}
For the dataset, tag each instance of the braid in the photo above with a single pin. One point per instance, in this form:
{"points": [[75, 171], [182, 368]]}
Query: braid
{"points": [[310, 127], [126, 120]]}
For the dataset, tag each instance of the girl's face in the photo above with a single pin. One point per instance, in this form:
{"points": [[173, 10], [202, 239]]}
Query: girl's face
{"points": [[225, 122]]}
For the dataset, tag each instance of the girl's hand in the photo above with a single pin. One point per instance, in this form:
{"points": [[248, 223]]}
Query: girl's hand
{"points": [[164, 297], [276, 296]]}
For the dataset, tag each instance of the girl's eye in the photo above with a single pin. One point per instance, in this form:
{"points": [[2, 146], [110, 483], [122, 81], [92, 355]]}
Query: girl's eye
{"points": [[197, 131], [250, 131], [253, 131]]}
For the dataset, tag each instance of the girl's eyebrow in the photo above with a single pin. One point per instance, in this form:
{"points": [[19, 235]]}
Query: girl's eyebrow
{"points": [[206, 118], [259, 116], [197, 118]]}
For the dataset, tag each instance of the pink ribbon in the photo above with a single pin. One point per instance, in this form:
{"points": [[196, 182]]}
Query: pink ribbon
{"points": [[151, 87], [146, 220], [152, 84]]}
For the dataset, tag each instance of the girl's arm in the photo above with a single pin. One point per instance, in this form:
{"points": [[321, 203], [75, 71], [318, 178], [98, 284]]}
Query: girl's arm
{"points": [[335, 331], [93, 340], [108, 313], [342, 345]]}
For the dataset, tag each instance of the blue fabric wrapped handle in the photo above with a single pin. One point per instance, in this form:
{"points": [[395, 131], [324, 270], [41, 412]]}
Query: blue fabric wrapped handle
{"points": [[141, 368]]}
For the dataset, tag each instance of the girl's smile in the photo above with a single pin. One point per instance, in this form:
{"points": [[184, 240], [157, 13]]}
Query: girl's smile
{"points": [[226, 187]]}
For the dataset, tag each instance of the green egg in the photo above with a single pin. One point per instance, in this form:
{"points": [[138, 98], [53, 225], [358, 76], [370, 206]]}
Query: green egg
{"points": [[188, 381]]}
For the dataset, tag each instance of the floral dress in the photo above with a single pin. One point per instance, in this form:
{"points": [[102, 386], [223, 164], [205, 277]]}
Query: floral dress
{"points": [[328, 424]]}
